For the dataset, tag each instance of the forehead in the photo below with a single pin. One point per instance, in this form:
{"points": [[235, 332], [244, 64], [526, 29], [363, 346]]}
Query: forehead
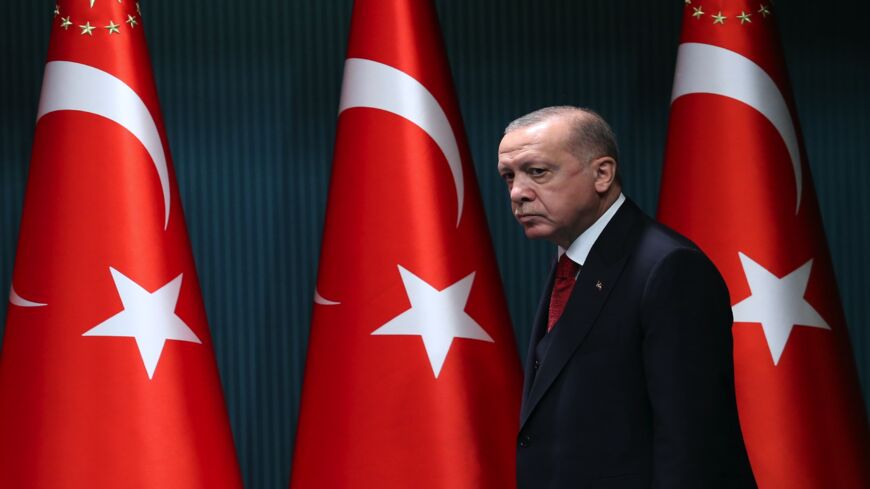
{"points": [[545, 139]]}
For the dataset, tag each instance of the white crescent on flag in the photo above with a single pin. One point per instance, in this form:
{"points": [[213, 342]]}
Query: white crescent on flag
{"points": [[705, 68], [19, 301], [378, 86], [319, 299], [75, 86]]}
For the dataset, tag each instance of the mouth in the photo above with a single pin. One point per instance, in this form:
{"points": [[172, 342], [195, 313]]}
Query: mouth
{"points": [[523, 217]]}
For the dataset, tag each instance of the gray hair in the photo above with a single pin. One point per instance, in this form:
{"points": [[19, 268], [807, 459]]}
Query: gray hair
{"points": [[591, 136]]}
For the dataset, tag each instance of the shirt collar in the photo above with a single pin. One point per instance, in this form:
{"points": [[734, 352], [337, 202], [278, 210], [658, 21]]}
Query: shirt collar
{"points": [[579, 249]]}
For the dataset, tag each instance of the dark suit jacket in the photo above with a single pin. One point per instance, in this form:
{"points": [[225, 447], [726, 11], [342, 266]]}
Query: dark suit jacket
{"points": [[634, 387]]}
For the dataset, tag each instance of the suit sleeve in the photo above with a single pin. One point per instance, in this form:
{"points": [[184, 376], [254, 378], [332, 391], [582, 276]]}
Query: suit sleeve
{"points": [[688, 364]]}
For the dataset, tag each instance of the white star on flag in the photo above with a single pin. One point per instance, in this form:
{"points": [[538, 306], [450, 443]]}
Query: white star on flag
{"points": [[436, 316], [148, 317], [777, 303]]}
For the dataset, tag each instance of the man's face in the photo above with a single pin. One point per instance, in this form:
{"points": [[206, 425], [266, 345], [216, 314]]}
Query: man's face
{"points": [[554, 195]]}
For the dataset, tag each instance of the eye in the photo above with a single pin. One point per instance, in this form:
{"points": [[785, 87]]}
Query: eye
{"points": [[508, 177], [536, 171]]}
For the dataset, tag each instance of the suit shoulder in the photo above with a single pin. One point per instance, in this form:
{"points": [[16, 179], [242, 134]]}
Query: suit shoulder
{"points": [[673, 268], [649, 243], [657, 241], [664, 254]]}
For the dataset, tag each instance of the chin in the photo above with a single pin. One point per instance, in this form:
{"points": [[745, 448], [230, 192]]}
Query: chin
{"points": [[534, 232]]}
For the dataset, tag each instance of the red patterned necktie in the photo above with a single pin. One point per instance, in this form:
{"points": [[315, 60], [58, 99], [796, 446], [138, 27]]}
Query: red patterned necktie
{"points": [[566, 272]]}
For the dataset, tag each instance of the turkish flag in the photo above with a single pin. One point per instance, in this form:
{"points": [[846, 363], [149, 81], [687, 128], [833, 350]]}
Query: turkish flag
{"points": [[412, 377], [107, 376], [736, 181]]}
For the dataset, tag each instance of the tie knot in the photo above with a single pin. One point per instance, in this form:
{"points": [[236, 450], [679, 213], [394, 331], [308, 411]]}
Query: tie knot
{"points": [[566, 267]]}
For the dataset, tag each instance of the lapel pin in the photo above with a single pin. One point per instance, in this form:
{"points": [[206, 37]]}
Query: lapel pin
{"points": [[599, 285]]}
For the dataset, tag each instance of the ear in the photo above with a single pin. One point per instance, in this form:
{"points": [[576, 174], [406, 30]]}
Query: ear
{"points": [[604, 169]]}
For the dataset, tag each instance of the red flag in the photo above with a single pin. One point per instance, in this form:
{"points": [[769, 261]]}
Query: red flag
{"points": [[412, 377], [736, 181], [107, 377]]}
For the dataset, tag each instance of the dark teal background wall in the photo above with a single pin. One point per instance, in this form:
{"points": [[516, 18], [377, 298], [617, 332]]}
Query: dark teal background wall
{"points": [[250, 91]]}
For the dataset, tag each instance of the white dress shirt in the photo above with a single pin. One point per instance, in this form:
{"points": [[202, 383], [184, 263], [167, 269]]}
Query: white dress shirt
{"points": [[579, 249]]}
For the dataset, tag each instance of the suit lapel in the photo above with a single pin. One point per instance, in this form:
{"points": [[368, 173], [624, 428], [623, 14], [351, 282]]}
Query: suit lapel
{"points": [[539, 328], [604, 264]]}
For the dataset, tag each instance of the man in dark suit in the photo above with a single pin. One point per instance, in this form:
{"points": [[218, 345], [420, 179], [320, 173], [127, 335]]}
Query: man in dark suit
{"points": [[629, 376]]}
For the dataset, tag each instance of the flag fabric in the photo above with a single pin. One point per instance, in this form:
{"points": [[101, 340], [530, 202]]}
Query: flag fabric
{"points": [[107, 375], [736, 181], [412, 376]]}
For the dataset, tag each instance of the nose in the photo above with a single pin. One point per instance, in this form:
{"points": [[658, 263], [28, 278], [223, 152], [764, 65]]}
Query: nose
{"points": [[521, 191]]}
